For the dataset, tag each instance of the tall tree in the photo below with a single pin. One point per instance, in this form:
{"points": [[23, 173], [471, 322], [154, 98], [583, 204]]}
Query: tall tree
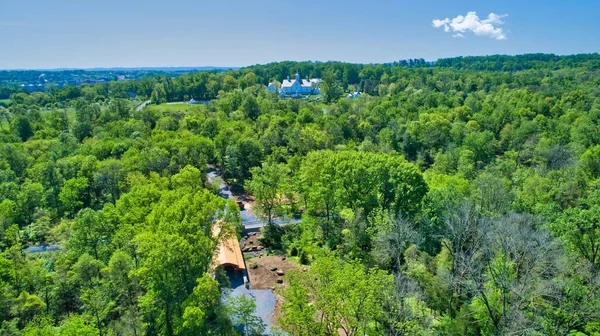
{"points": [[267, 186], [335, 297]]}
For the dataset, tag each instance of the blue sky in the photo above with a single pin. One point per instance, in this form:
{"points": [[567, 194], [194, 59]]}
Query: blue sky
{"points": [[132, 33]]}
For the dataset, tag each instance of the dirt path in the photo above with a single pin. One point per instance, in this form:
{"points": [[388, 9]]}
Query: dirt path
{"points": [[245, 201], [263, 271]]}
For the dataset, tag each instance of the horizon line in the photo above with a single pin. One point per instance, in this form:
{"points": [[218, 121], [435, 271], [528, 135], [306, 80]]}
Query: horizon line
{"points": [[211, 67]]}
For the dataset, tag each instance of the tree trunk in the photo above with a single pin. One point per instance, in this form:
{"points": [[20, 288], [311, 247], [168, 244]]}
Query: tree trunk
{"points": [[168, 319]]}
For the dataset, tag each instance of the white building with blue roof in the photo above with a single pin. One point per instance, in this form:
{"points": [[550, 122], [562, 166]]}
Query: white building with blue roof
{"points": [[296, 87]]}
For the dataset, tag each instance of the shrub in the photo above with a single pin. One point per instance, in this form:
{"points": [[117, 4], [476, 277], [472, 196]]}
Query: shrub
{"points": [[304, 258]]}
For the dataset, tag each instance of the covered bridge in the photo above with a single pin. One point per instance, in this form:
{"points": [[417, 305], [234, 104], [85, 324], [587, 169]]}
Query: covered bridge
{"points": [[229, 254]]}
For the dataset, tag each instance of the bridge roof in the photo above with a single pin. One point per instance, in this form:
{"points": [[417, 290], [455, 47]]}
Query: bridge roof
{"points": [[230, 253]]}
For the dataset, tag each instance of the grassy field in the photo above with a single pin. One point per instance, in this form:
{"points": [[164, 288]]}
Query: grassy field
{"points": [[69, 110], [70, 113], [172, 107], [6, 101]]}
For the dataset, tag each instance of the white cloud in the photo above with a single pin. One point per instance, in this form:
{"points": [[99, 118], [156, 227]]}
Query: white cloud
{"points": [[438, 23], [472, 23]]}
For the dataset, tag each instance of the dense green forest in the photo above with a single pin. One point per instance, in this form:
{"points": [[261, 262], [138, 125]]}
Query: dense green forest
{"points": [[454, 198]]}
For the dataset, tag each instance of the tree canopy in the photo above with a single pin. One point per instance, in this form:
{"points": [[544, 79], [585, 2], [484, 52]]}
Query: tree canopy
{"points": [[458, 197]]}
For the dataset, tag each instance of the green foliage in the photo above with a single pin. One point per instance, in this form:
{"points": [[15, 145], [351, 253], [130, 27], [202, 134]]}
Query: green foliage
{"points": [[203, 308], [333, 181], [73, 194], [455, 198], [22, 127], [78, 326], [242, 310], [331, 88], [581, 230], [90, 233], [267, 186], [27, 306], [334, 295], [590, 161]]}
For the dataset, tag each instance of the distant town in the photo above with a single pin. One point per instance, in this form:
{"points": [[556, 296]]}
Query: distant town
{"points": [[41, 80]]}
